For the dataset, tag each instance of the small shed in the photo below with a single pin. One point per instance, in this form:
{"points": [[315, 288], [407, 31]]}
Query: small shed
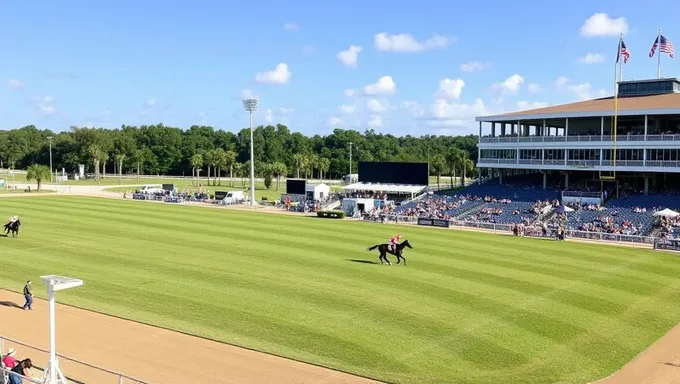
{"points": [[317, 191]]}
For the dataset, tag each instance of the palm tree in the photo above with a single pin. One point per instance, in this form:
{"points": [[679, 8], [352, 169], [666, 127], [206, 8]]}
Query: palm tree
{"points": [[229, 161], [38, 172], [278, 169], [467, 163], [137, 157], [312, 164], [238, 170], [120, 158], [220, 160], [97, 155], [438, 164], [453, 159], [196, 163], [299, 162], [324, 166]]}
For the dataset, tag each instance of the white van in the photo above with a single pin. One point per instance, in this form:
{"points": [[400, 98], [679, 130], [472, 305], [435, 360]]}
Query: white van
{"points": [[234, 197]]}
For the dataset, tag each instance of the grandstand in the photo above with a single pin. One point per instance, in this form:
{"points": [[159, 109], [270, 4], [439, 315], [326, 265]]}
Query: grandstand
{"points": [[615, 156], [613, 161]]}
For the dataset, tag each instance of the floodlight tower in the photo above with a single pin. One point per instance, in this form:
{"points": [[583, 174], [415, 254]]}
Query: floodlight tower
{"points": [[250, 106], [52, 374]]}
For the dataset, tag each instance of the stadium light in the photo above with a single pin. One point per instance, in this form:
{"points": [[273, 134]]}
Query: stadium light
{"points": [[250, 106], [52, 374]]}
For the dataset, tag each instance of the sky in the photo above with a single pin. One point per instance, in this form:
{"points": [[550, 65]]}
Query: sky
{"points": [[396, 67]]}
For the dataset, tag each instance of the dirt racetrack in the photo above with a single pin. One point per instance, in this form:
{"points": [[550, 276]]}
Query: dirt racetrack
{"points": [[148, 353]]}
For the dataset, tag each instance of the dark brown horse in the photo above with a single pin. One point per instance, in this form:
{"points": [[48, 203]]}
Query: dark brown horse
{"points": [[398, 251], [13, 228]]}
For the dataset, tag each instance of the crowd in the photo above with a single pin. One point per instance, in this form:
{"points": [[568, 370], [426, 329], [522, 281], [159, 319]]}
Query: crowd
{"points": [[438, 207], [576, 206], [13, 369]]}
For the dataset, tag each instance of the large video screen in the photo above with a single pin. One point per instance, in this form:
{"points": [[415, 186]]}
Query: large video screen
{"points": [[393, 173], [295, 187]]}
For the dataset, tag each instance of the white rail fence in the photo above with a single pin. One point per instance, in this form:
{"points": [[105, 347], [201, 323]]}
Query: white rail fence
{"points": [[76, 371], [530, 230]]}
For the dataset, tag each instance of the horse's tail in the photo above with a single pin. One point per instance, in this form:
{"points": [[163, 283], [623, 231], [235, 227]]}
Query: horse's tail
{"points": [[373, 247]]}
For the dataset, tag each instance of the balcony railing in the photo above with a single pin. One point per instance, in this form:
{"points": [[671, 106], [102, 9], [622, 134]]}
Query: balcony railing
{"points": [[577, 139], [586, 163]]}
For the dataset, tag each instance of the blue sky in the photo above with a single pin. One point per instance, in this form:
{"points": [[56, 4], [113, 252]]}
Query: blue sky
{"points": [[396, 67]]}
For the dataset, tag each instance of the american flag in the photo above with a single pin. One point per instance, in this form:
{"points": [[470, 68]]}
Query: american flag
{"points": [[665, 46], [623, 51]]}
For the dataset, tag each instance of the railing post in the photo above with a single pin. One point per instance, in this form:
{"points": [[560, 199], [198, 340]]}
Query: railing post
{"points": [[120, 379]]}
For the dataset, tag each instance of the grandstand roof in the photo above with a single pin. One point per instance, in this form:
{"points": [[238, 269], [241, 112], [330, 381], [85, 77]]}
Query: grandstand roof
{"points": [[663, 104], [394, 188]]}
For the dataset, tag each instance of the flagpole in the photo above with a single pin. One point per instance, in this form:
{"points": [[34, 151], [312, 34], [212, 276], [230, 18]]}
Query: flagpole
{"points": [[620, 60], [658, 63]]}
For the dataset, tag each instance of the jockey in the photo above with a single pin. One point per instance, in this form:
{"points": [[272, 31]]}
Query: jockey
{"points": [[394, 241], [13, 219]]}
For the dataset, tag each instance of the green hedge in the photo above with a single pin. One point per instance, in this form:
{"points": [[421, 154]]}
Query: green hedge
{"points": [[334, 214]]}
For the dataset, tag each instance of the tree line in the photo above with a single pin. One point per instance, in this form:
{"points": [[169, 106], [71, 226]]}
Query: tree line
{"points": [[163, 150]]}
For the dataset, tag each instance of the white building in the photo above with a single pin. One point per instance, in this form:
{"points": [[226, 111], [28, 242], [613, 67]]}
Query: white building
{"points": [[317, 191]]}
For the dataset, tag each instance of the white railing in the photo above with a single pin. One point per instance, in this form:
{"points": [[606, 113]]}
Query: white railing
{"points": [[530, 229], [576, 138], [65, 362], [6, 373]]}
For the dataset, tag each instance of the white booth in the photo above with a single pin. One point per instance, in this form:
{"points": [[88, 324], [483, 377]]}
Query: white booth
{"points": [[317, 191]]}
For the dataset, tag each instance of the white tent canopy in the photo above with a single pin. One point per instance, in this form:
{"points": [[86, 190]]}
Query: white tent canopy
{"points": [[666, 213], [390, 188]]}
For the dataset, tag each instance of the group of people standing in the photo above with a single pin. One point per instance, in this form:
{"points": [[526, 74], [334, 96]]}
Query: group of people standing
{"points": [[17, 368]]}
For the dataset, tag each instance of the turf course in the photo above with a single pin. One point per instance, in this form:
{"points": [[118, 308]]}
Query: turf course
{"points": [[469, 307]]}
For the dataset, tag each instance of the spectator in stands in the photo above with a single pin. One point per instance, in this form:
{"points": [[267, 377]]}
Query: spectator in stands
{"points": [[23, 369], [28, 295], [9, 360]]}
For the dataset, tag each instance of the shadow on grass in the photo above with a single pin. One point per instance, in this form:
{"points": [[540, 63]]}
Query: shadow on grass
{"points": [[362, 261]]}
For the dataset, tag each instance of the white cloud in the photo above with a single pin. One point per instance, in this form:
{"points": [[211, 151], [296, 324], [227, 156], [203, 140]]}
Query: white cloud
{"points": [[534, 88], [248, 94], [150, 102], [450, 88], [583, 91], [591, 58], [452, 114], [350, 92], [285, 111], [472, 66], [347, 109], [384, 86], [335, 121], [561, 81], [280, 75], [291, 27], [350, 56], [510, 85], [407, 43], [15, 83], [414, 108], [375, 121], [268, 116], [308, 49], [44, 105], [600, 24], [377, 106], [524, 105]]}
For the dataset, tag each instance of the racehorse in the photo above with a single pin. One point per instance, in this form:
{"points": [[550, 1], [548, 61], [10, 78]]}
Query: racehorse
{"points": [[384, 249], [13, 228]]}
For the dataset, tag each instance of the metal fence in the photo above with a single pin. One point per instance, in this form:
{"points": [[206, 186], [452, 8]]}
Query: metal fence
{"points": [[75, 370], [530, 230]]}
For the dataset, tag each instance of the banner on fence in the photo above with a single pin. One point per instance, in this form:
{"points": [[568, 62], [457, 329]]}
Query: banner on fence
{"points": [[434, 222], [668, 245], [139, 196]]}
